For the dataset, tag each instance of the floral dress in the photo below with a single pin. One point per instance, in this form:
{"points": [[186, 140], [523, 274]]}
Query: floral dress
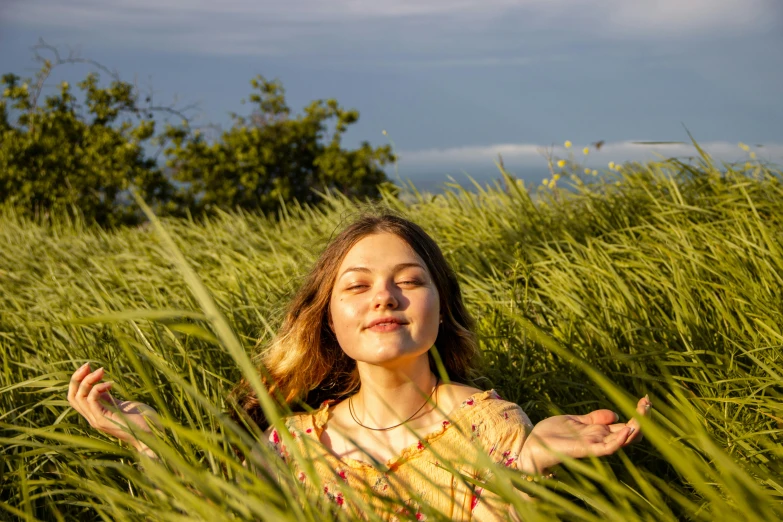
{"points": [[419, 480]]}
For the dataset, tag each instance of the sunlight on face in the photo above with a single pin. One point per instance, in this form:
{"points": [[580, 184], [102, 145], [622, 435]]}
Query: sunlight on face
{"points": [[384, 306]]}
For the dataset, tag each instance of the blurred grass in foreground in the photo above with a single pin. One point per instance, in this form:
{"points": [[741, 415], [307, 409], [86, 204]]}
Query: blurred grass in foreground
{"points": [[660, 278]]}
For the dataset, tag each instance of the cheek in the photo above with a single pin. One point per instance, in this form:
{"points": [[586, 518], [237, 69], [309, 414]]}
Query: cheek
{"points": [[430, 309], [344, 315], [433, 306]]}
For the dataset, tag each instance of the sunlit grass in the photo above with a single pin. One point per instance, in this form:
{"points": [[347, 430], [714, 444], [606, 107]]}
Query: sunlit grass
{"points": [[659, 278]]}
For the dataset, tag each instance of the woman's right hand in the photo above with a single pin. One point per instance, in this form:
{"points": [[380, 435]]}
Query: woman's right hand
{"points": [[90, 397]]}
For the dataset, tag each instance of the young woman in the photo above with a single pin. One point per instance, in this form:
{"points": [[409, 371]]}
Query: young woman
{"points": [[356, 346]]}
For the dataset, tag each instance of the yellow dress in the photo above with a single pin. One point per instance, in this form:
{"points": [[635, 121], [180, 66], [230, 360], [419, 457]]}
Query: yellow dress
{"points": [[418, 480]]}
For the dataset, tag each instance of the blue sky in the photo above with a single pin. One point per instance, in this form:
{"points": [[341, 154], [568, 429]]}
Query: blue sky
{"points": [[453, 82]]}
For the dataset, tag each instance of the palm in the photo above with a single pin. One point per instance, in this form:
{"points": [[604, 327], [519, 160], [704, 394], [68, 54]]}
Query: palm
{"points": [[124, 416]]}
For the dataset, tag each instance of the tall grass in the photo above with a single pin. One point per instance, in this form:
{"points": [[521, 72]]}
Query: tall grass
{"points": [[664, 279]]}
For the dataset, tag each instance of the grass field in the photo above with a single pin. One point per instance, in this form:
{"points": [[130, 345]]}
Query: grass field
{"points": [[663, 279]]}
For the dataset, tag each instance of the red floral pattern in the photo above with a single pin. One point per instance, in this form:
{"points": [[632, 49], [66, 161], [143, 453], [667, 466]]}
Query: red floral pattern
{"points": [[474, 499], [490, 425]]}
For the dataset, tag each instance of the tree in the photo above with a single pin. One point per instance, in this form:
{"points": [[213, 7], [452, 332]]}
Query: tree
{"points": [[54, 157], [272, 156], [84, 157]]}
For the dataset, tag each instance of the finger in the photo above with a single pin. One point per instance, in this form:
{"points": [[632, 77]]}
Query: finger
{"points": [[611, 443], [644, 409], [76, 380], [598, 417], [636, 435], [620, 426], [93, 398], [644, 406], [106, 399], [91, 409], [87, 383]]}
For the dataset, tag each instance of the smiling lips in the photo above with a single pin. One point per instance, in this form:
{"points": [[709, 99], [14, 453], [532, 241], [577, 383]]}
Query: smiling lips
{"points": [[385, 324]]}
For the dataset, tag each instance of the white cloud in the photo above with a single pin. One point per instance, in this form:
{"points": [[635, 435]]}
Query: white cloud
{"points": [[291, 26], [531, 155], [671, 17]]}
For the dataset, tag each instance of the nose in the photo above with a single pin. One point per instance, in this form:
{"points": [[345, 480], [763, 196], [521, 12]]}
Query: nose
{"points": [[384, 299]]}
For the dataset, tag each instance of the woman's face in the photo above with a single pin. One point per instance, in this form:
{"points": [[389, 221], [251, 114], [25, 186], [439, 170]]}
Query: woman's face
{"points": [[384, 307]]}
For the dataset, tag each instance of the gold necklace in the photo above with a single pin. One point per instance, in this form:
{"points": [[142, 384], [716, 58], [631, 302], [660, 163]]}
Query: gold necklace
{"points": [[353, 415]]}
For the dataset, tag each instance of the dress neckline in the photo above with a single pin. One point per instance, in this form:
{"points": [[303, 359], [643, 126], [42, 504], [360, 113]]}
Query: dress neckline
{"points": [[321, 416]]}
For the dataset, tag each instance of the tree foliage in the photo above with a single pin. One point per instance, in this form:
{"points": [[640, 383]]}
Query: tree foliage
{"points": [[272, 156], [83, 152], [56, 156]]}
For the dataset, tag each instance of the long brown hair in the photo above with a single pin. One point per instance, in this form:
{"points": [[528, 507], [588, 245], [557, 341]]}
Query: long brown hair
{"points": [[304, 364]]}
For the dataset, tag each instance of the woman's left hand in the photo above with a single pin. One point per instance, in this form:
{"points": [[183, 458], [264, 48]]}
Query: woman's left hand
{"points": [[577, 436]]}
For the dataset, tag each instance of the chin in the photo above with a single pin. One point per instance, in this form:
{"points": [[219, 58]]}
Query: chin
{"points": [[390, 355]]}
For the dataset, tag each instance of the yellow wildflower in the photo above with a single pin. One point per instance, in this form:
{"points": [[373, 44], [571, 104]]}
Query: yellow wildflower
{"points": [[595, 173], [552, 184], [561, 163], [384, 132], [743, 147], [586, 150], [587, 171], [545, 182], [567, 144], [752, 155], [556, 177], [611, 165]]}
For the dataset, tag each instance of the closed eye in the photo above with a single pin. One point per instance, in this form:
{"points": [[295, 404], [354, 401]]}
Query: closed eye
{"points": [[412, 282]]}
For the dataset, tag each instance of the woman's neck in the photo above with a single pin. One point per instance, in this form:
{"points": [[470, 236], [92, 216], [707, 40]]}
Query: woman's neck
{"points": [[390, 396]]}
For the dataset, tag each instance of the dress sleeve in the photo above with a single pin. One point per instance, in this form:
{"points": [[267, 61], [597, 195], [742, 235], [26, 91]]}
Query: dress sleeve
{"points": [[506, 428]]}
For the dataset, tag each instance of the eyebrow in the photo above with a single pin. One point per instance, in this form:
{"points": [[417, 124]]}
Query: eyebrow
{"points": [[366, 270]]}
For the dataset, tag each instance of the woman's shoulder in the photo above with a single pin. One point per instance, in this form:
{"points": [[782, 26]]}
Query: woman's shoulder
{"points": [[303, 420], [453, 395], [487, 407]]}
